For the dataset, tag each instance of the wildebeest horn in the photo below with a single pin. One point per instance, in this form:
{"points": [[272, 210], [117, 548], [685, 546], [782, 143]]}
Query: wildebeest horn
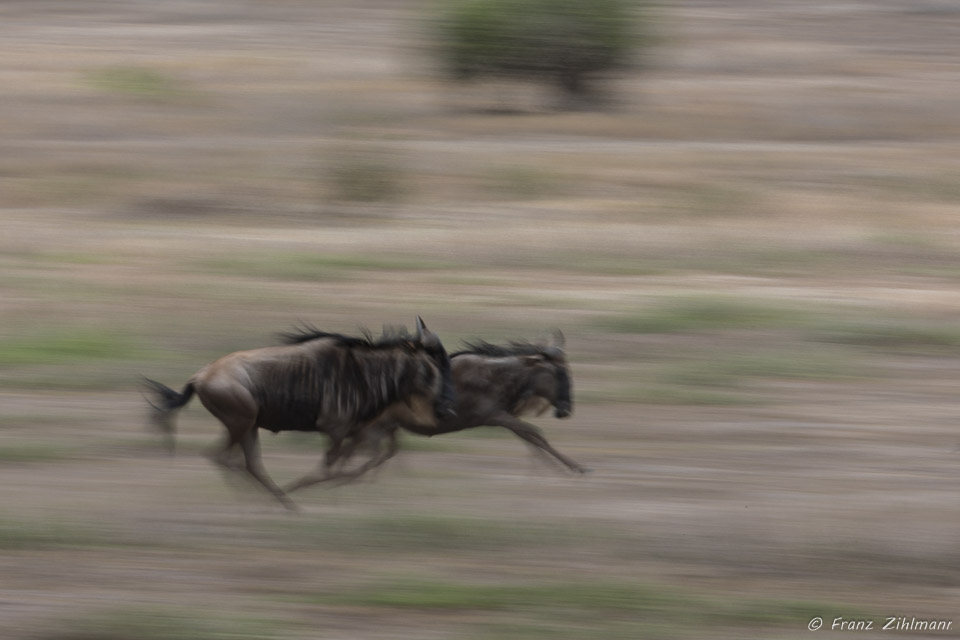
{"points": [[424, 335], [558, 339]]}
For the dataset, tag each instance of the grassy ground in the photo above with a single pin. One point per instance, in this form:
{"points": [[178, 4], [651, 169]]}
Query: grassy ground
{"points": [[751, 252]]}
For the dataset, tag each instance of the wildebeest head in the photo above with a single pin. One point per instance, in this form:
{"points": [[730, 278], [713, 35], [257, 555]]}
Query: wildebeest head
{"points": [[429, 342], [550, 377], [537, 376]]}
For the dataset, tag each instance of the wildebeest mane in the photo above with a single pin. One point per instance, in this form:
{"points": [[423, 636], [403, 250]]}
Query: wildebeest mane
{"points": [[391, 337], [351, 383], [513, 348]]}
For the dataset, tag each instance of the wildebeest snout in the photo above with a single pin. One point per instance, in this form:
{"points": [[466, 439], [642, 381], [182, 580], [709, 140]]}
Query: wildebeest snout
{"points": [[563, 410]]}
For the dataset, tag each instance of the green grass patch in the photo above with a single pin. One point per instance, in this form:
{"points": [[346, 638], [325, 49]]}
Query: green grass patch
{"points": [[34, 453], [440, 595], [896, 334], [943, 188], [416, 533], [72, 379], [138, 82], [18, 535], [34, 420], [727, 370], [140, 623], [704, 313], [66, 346], [617, 607], [563, 629]]}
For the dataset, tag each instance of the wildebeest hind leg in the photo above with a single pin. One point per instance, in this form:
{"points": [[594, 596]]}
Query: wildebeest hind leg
{"points": [[228, 459], [339, 453], [250, 444], [530, 434], [225, 454], [236, 408]]}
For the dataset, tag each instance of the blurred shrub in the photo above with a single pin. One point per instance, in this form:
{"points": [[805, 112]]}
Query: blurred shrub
{"points": [[567, 43], [520, 182], [364, 177]]}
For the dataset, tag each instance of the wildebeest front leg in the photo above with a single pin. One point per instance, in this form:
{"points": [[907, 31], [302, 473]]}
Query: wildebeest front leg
{"points": [[531, 434], [324, 470], [376, 460], [338, 454]]}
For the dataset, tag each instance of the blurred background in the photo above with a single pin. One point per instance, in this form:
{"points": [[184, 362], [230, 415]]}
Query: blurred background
{"points": [[743, 214]]}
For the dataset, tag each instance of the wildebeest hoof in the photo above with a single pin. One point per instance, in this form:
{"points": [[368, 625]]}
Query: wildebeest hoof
{"points": [[291, 506]]}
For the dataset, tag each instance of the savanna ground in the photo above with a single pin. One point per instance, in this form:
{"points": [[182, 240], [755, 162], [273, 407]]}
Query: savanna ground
{"points": [[752, 250]]}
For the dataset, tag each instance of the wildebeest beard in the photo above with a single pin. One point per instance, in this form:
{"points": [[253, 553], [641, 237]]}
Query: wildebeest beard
{"points": [[564, 400], [344, 387]]}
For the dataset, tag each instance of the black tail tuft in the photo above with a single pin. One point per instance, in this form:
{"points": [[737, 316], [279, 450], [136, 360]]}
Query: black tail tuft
{"points": [[165, 403], [167, 397]]}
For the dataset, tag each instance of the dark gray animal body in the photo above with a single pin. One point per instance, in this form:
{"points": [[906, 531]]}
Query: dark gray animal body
{"points": [[316, 382], [494, 386]]}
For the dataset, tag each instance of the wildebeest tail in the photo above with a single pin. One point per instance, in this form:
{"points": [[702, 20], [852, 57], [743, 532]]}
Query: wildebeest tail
{"points": [[165, 403]]}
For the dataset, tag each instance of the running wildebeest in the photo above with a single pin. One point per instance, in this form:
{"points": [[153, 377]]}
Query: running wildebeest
{"points": [[317, 381], [494, 386]]}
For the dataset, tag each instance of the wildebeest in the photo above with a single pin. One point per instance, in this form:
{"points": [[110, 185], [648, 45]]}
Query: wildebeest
{"points": [[317, 381], [494, 385]]}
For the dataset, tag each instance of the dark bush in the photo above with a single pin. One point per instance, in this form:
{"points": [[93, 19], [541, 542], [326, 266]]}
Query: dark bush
{"points": [[567, 43]]}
